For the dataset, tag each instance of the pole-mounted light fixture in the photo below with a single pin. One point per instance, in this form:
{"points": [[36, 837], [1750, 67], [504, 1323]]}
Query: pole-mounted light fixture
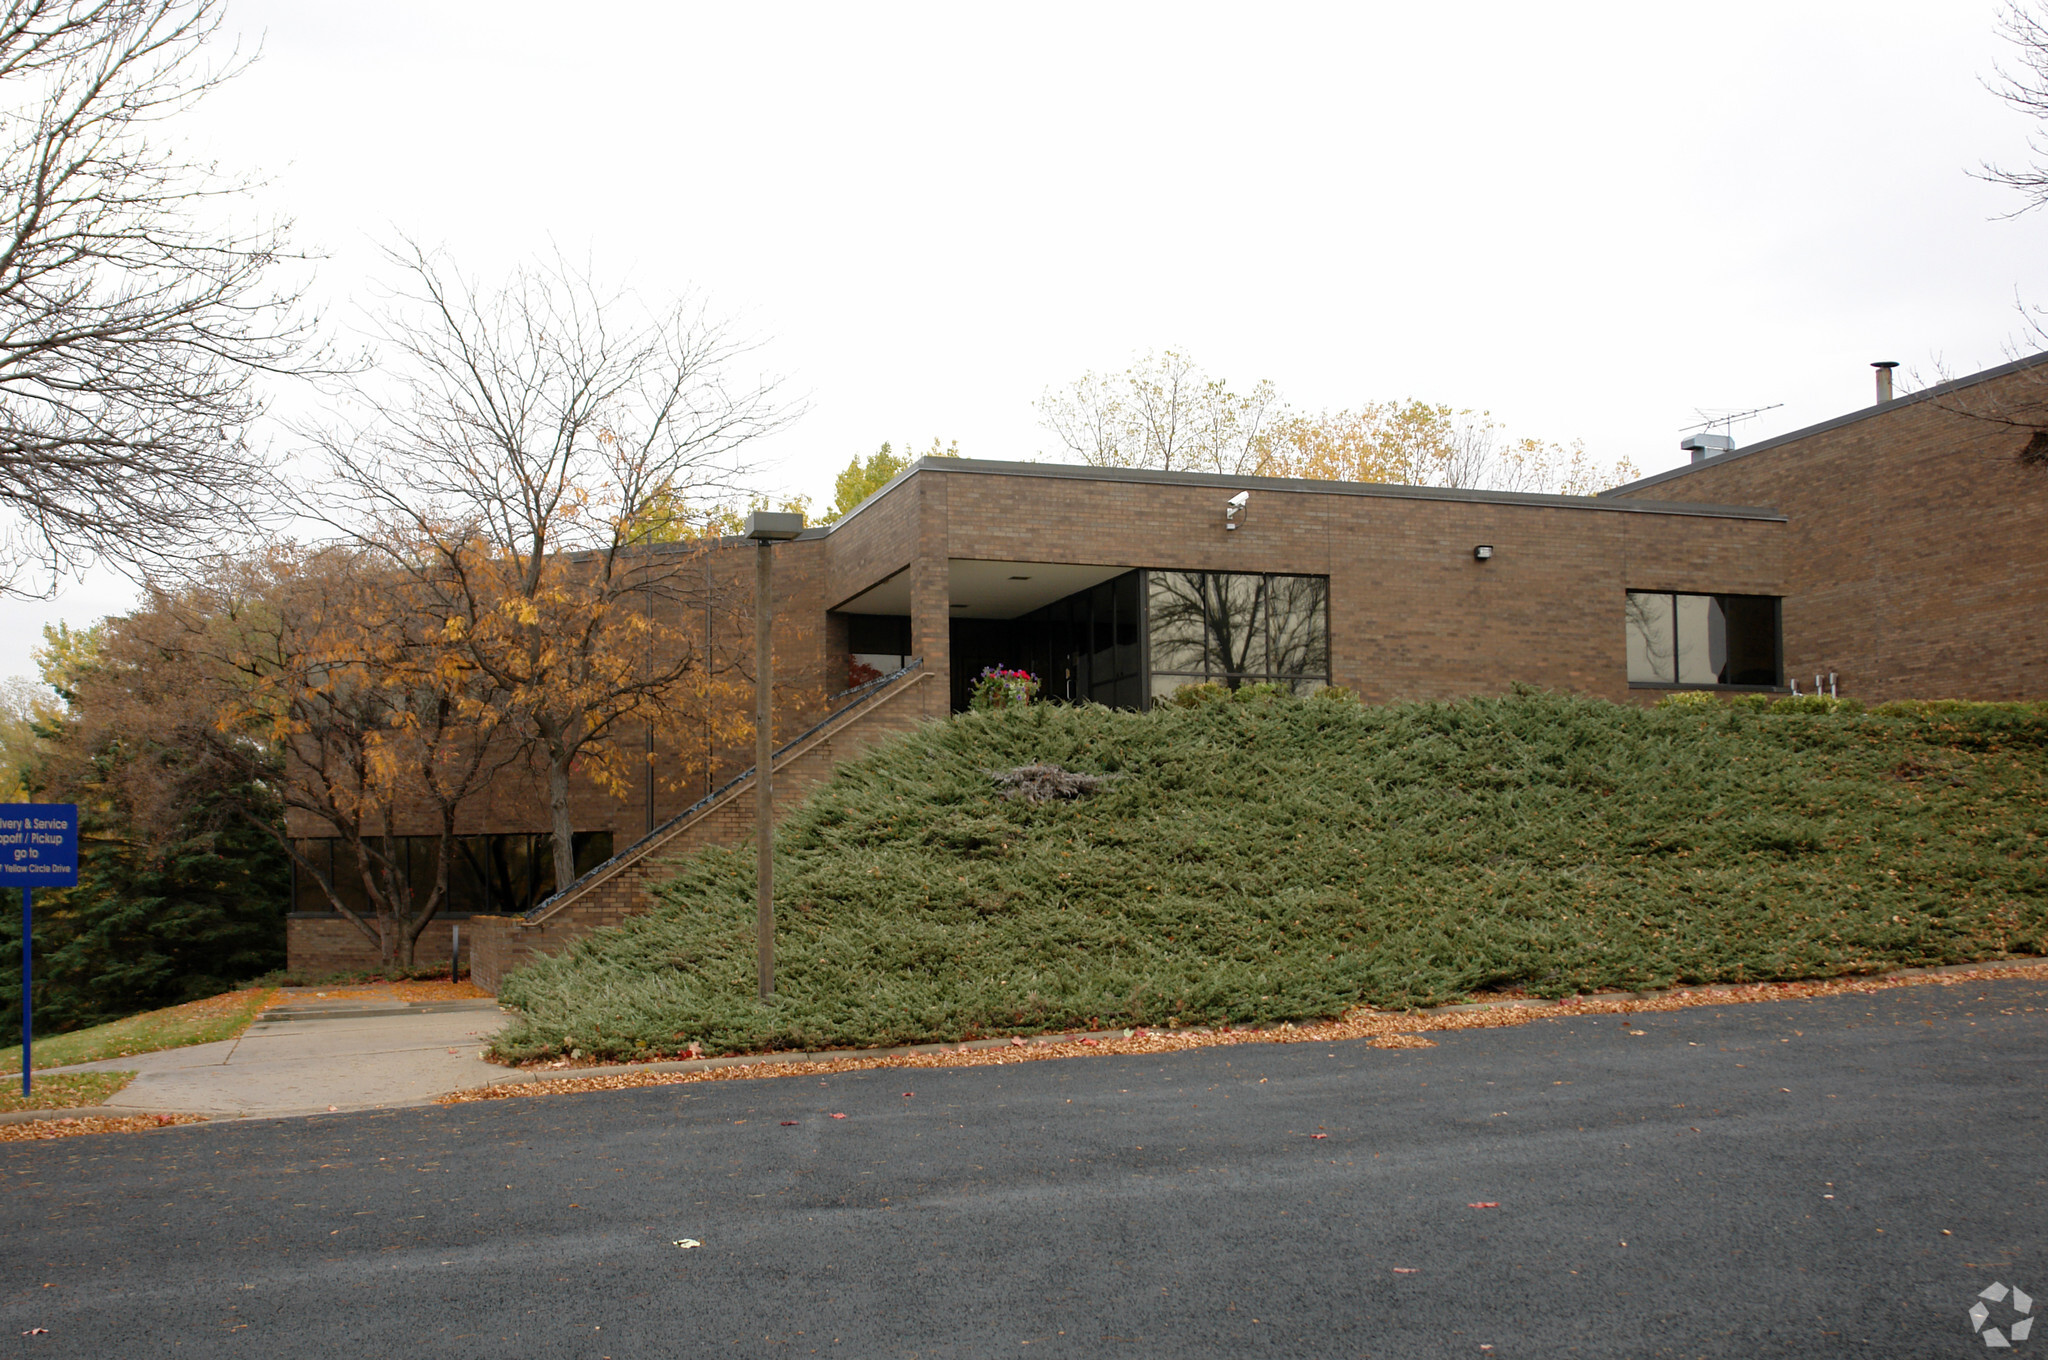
{"points": [[765, 528]]}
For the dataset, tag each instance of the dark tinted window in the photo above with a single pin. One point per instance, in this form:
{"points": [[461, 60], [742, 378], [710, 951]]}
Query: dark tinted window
{"points": [[878, 633], [1684, 639], [1237, 628]]}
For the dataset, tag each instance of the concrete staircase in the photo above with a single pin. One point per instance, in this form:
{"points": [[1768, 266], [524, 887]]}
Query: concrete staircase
{"points": [[619, 887]]}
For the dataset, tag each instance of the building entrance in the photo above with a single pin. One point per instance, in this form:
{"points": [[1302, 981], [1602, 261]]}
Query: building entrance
{"points": [[1087, 646]]}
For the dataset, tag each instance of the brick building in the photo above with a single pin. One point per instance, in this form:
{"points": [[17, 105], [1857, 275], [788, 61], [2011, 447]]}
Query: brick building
{"points": [[1915, 560], [1890, 547]]}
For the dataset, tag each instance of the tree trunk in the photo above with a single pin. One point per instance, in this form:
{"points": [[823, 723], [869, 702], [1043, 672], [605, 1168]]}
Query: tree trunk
{"points": [[558, 808]]}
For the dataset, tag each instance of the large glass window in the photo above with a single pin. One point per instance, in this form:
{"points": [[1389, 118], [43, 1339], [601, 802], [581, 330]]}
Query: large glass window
{"points": [[488, 874], [1679, 639], [880, 642], [1084, 647], [1236, 628]]}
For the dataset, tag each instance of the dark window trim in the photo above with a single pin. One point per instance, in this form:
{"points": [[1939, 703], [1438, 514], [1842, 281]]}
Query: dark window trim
{"points": [[1777, 639], [1205, 676], [1712, 689]]}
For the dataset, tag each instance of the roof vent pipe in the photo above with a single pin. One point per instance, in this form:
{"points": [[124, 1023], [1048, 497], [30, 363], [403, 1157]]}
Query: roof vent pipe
{"points": [[1884, 369]]}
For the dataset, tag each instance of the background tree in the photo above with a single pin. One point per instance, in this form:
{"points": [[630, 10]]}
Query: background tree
{"points": [[1165, 413], [2025, 89], [1162, 412], [861, 479], [294, 680], [2021, 406], [1420, 444], [544, 464], [24, 707], [133, 322], [174, 901]]}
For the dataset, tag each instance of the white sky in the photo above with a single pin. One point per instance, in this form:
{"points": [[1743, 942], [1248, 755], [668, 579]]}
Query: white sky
{"points": [[1589, 219]]}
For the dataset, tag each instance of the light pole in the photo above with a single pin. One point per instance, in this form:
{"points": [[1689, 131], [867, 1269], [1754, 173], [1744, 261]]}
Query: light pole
{"points": [[766, 529]]}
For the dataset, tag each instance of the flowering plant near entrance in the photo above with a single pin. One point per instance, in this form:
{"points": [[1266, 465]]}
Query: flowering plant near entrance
{"points": [[998, 688]]}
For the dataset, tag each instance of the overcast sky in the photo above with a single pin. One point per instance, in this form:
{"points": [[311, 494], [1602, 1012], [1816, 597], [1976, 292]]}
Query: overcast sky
{"points": [[1588, 219]]}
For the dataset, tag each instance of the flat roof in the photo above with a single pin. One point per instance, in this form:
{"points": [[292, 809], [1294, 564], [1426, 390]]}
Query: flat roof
{"points": [[1838, 422], [1303, 486]]}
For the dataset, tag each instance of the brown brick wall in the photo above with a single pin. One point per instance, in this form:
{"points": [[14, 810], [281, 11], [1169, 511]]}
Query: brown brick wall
{"points": [[1412, 614], [1915, 562], [883, 544], [504, 942], [317, 945]]}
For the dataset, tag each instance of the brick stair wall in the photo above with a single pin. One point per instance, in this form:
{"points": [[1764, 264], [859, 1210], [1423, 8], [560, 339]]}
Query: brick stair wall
{"points": [[620, 887]]}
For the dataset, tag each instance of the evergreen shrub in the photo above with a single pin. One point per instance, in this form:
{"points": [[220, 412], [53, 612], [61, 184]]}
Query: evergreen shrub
{"points": [[1290, 858]]}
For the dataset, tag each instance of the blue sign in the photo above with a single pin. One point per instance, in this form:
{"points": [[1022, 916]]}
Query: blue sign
{"points": [[38, 845]]}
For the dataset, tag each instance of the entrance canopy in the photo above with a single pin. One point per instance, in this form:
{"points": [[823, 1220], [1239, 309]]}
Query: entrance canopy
{"points": [[987, 590]]}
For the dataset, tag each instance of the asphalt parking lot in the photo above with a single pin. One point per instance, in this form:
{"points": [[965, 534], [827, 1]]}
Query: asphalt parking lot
{"points": [[1814, 1178]]}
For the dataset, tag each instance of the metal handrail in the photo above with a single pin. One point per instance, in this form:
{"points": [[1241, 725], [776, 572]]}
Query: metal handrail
{"points": [[857, 696]]}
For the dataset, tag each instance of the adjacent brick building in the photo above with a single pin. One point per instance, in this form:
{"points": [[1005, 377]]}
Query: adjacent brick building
{"points": [[1915, 559], [1898, 548]]}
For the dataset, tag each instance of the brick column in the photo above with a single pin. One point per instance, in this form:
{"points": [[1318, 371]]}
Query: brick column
{"points": [[931, 620]]}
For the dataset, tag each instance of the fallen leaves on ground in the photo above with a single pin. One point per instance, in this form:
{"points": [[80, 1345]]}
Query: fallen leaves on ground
{"points": [[1384, 1029], [34, 1130], [64, 1090], [426, 989], [204, 1021]]}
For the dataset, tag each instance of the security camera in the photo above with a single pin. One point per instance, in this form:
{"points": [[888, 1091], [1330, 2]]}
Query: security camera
{"points": [[1233, 512]]}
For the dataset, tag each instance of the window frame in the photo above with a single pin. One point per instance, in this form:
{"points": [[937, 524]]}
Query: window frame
{"points": [[1210, 675], [1675, 685], [530, 883]]}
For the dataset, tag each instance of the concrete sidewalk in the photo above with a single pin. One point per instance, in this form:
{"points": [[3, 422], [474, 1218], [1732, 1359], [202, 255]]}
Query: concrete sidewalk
{"points": [[310, 1056]]}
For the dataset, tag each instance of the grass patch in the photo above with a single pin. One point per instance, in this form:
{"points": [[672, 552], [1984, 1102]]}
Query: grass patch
{"points": [[1288, 859], [64, 1090], [196, 1022]]}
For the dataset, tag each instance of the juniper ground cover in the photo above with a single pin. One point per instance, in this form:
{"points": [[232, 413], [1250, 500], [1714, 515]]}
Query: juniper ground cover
{"points": [[1291, 858]]}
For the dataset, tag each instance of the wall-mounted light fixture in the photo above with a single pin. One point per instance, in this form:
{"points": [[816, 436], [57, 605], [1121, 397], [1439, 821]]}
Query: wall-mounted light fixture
{"points": [[1483, 553], [1233, 510]]}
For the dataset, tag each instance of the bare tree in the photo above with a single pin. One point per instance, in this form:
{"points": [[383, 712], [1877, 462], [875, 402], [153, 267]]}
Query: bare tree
{"points": [[2014, 413], [546, 468], [2025, 88], [133, 322], [1163, 412]]}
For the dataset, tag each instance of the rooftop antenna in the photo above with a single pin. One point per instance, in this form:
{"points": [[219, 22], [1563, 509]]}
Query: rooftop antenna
{"points": [[1712, 416]]}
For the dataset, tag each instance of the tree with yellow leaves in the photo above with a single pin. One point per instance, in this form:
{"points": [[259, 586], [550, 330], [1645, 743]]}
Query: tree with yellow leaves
{"points": [[1165, 412], [861, 480], [315, 674], [545, 466], [1420, 444]]}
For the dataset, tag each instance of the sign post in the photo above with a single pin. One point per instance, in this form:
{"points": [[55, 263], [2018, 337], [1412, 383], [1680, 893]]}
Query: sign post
{"points": [[38, 849]]}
